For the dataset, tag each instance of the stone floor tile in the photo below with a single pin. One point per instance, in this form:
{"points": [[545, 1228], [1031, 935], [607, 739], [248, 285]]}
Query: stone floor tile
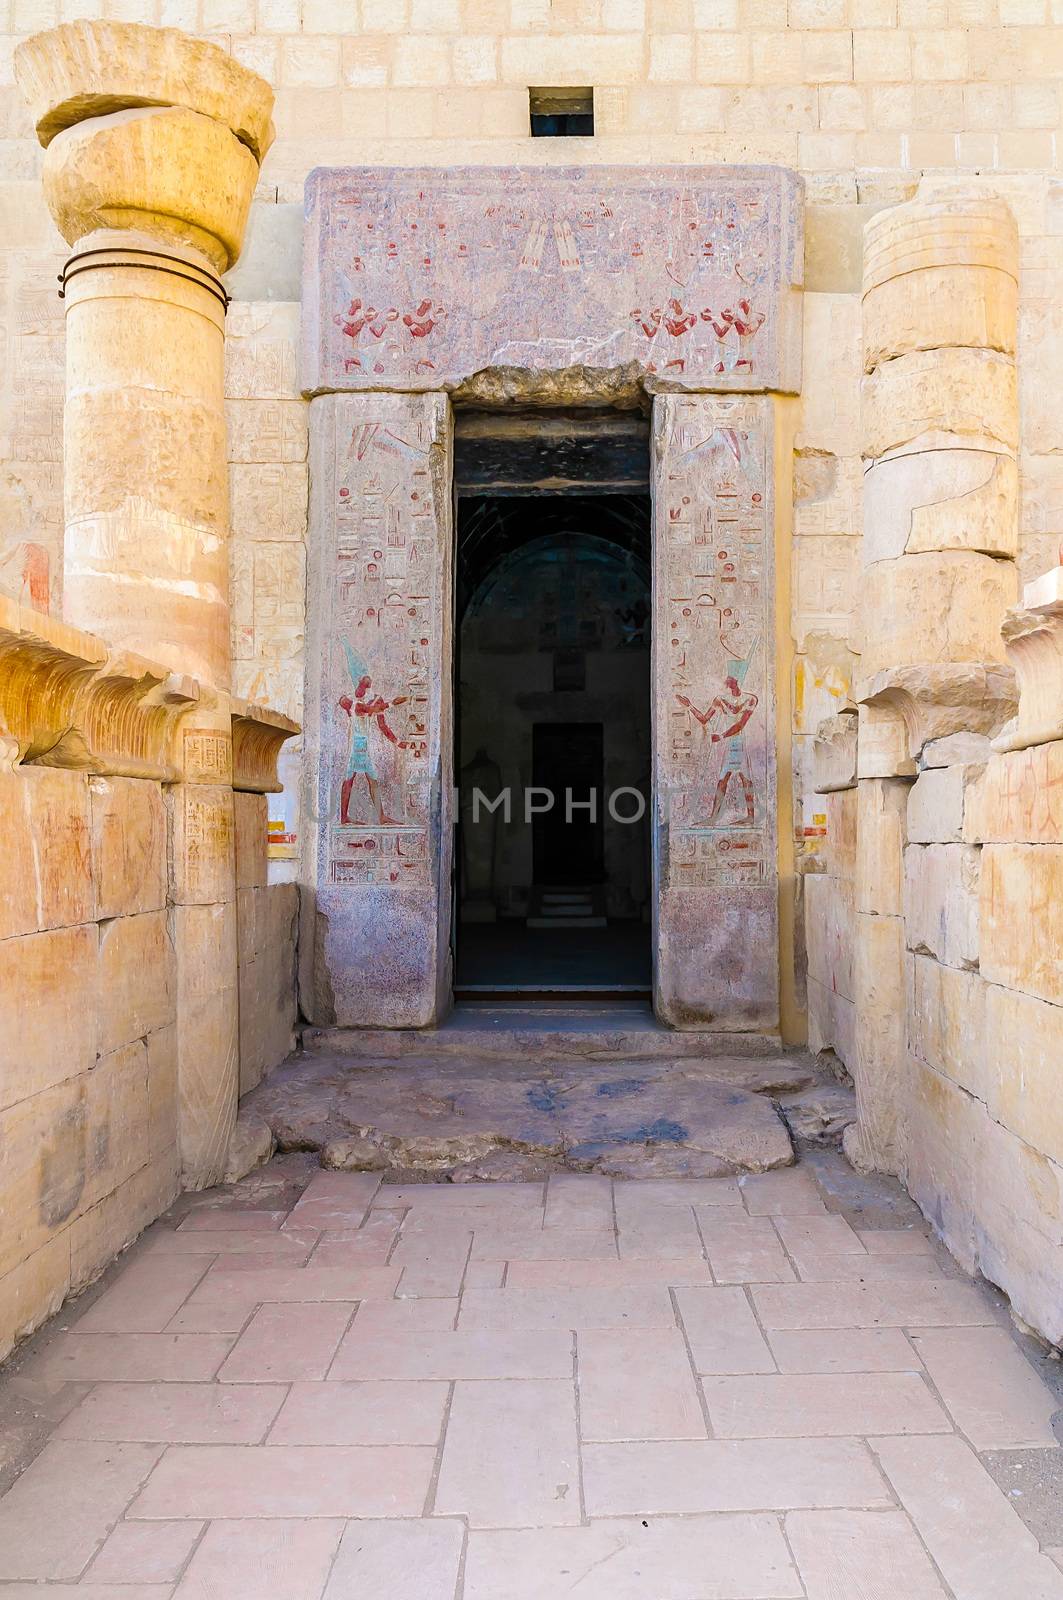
{"points": [[876, 1555], [213, 1482], [836, 1405], [935, 1303], [225, 1299], [208, 1219], [690, 1475], [895, 1242], [432, 1265], [264, 1249], [843, 1350], [145, 1295], [397, 1561], [282, 1344], [464, 1353], [174, 1413], [636, 1383], [692, 1558], [1056, 1556], [135, 1357], [818, 1236], [490, 1274], [603, 1274], [361, 1413], [812, 1268], [516, 1309], [283, 1559], [579, 1200], [510, 1457], [444, 1199], [545, 1244], [979, 1543], [649, 1193], [88, 1591], [989, 1388], [666, 1232], [143, 1552], [408, 1316], [743, 1249], [722, 1330], [369, 1245], [54, 1517], [788, 1192], [334, 1200]]}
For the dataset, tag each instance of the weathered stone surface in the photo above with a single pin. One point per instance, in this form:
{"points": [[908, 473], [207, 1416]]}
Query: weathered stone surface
{"points": [[251, 1144], [830, 909], [549, 281], [380, 610], [957, 749], [947, 1021], [839, 851], [136, 977], [831, 1022], [941, 499], [1033, 639], [941, 607], [1022, 917], [941, 886], [650, 1118], [947, 397], [714, 762], [1019, 798], [881, 811], [937, 803], [1023, 1051], [60, 858], [202, 843], [128, 845], [88, 69], [904, 709], [51, 982], [884, 749], [875, 1140], [819, 1115], [181, 176], [834, 757], [250, 824]]}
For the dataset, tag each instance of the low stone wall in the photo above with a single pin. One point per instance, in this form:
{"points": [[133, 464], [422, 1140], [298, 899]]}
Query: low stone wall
{"points": [[96, 979]]}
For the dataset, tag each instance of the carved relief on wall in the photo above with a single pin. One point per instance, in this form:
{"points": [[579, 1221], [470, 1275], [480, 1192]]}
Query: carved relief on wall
{"points": [[384, 645], [682, 278], [715, 641]]}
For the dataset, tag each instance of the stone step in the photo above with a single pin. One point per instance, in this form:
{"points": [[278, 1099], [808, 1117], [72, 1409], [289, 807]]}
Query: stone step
{"points": [[607, 1031]]}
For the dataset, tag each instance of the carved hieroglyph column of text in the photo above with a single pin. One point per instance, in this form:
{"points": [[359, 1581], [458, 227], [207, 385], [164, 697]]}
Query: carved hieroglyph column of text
{"points": [[940, 436], [153, 144], [378, 711], [714, 689]]}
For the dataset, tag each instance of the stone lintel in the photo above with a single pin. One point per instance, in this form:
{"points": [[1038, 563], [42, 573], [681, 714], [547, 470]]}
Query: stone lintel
{"points": [[934, 701], [834, 753], [258, 736], [67, 700]]}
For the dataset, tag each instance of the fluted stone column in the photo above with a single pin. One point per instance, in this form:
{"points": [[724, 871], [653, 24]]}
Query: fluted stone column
{"points": [[940, 426], [153, 145]]}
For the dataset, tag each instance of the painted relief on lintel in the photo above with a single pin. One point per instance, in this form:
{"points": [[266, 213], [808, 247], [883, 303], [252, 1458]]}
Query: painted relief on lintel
{"points": [[677, 279]]}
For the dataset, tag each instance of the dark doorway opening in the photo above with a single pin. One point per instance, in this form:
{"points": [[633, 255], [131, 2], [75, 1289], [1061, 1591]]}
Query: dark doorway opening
{"points": [[552, 698]]}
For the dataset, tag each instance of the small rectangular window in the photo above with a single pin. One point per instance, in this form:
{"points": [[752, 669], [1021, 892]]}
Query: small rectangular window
{"points": [[561, 113]]}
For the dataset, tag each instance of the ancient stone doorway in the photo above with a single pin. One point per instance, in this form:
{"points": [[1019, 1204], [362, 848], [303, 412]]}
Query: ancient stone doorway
{"points": [[553, 873]]}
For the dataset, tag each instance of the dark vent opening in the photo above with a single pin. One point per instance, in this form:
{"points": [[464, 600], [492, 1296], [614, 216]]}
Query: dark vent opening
{"points": [[561, 113]]}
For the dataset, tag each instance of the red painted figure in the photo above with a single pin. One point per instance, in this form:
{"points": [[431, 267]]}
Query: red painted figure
{"points": [[735, 706], [371, 709]]}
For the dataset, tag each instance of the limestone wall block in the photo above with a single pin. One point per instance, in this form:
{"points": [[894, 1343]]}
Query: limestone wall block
{"points": [[946, 1010], [128, 845], [1024, 1047], [269, 501], [831, 1022], [1019, 798], [885, 743], [829, 913], [831, 373], [49, 981], [178, 175], [96, 1237], [18, 878], [937, 803], [163, 1109], [879, 1064], [117, 1120], [267, 430], [251, 822], [262, 351], [968, 396], [1033, 638], [1020, 1225], [835, 753], [941, 607], [34, 1290], [882, 805], [941, 499], [89, 69], [44, 1152], [905, 710], [58, 804], [963, 749], [941, 889], [267, 979], [202, 843], [839, 853], [208, 1074], [945, 1127], [1022, 918], [136, 983]]}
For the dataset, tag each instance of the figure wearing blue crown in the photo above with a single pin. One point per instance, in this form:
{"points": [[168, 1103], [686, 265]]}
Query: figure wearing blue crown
{"points": [[734, 707], [367, 715]]}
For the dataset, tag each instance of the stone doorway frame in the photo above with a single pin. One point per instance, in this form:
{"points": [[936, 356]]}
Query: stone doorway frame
{"points": [[376, 946]]}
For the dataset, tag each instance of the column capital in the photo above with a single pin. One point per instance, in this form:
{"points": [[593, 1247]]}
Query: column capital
{"points": [[146, 129], [1033, 638]]}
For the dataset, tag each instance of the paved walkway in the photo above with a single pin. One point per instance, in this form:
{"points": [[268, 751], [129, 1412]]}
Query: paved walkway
{"points": [[688, 1390]]}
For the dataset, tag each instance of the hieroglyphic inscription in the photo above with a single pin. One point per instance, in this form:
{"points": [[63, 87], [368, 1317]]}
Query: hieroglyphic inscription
{"points": [[684, 278], [715, 641], [384, 647]]}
